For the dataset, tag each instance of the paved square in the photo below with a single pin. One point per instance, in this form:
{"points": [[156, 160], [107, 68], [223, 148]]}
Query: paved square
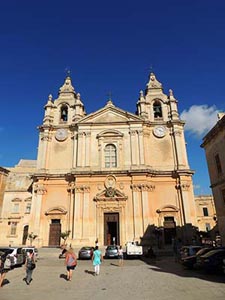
{"points": [[162, 279]]}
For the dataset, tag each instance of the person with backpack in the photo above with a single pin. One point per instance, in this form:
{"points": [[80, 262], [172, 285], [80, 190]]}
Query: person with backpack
{"points": [[29, 266], [5, 266], [97, 260], [71, 263]]}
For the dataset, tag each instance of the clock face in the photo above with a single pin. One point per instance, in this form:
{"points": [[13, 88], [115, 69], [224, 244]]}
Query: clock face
{"points": [[159, 131], [61, 134]]}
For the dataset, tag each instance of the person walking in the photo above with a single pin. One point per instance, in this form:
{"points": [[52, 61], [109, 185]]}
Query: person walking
{"points": [[97, 260], [29, 266], [4, 266], [71, 263], [120, 256]]}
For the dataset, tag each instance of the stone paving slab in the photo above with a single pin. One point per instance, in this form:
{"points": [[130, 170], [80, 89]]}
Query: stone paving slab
{"points": [[162, 279]]}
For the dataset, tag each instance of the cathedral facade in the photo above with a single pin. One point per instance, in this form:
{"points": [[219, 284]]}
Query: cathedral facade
{"points": [[111, 175]]}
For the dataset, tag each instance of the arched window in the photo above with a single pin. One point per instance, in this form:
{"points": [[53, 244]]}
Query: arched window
{"points": [[110, 156], [157, 109], [64, 113]]}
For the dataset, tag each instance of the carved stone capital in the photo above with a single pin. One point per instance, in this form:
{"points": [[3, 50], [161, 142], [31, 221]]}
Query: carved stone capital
{"points": [[82, 189], [46, 138], [177, 133], [39, 189], [71, 187], [142, 187], [133, 132]]}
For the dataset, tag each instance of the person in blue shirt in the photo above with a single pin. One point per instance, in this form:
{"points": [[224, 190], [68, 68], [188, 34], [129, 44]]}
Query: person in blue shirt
{"points": [[97, 260]]}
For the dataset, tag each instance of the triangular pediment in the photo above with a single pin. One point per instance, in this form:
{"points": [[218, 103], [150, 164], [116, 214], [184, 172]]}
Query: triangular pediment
{"points": [[110, 194], [110, 114]]}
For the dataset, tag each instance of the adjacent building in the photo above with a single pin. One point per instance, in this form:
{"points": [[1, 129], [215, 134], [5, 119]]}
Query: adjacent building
{"points": [[3, 177], [214, 146], [205, 213], [110, 175]]}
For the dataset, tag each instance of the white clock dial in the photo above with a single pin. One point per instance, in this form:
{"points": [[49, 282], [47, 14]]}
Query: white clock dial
{"points": [[159, 131], [61, 134]]}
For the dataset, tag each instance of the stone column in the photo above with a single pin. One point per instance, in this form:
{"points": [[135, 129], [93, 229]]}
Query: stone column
{"points": [[141, 147], [180, 150], [145, 194], [85, 214], [133, 146], [80, 154], [87, 149], [71, 206], [75, 150], [38, 192], [43, 150], [137, 212]]}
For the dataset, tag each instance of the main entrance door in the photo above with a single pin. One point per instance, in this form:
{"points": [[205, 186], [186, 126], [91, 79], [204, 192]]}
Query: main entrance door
{"points": [[111, 229], [25, 234], [54, 233], [169, 229]]}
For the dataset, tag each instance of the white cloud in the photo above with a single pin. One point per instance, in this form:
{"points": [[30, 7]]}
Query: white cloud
{"points": [[199, 119]]}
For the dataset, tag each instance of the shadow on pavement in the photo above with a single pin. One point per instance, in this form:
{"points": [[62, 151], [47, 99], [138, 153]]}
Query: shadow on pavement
{"points": [[168, 265], [5, 281], [90, 272], [63, 276], [115, 265]]}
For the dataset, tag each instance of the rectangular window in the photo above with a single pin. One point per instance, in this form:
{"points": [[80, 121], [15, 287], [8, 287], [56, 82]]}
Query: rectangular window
{"points": [[205, 212], [28, 208], [15, 208], [218, 164], [207, 227], [13, 228]]}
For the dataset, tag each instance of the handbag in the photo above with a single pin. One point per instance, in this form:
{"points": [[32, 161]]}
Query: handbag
{"points": [[32, 266], [7, 263]]}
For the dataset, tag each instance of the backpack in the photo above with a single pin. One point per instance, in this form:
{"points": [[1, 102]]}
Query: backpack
{"points": [[7, 263], [71, 261]]}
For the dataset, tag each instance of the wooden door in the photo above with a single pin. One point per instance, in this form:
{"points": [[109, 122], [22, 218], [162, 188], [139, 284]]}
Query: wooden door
{"points": [[54, 233]]}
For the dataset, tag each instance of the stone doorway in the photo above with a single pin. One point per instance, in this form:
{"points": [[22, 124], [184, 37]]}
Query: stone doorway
{"points": [[25, 234], [169, 229], [54, 233], [111, 229]]}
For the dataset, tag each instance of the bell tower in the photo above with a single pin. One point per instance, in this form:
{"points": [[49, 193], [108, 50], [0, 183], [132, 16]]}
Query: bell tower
{"points": [[154, 105], [55, 135]]}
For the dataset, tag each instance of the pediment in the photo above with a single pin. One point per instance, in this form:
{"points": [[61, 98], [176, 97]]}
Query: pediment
{"points": [[110, 114], [56, 211], [110, 194]]}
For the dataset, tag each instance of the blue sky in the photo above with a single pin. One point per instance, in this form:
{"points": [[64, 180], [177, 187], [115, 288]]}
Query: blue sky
{"points": [[110, 47]]}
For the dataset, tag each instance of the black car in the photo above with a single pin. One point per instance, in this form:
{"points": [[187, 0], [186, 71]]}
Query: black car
{"points": [[213, 260], [111, 251], [86, 252], [190, 261], [190, 250]]}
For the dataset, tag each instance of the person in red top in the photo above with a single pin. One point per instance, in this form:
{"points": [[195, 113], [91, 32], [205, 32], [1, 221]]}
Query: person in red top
{"points": [[71, 262]]}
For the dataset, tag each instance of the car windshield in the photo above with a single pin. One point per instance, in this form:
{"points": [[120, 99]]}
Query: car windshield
{"points": [[86, 248], [6, 250], [203, 251], [213, 252], [111, 248]]}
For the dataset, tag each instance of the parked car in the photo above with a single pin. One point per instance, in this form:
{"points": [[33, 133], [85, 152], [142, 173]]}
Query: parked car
{"points": [[224, 265], [186, 251], [111, 251], [17, 255], [190, 261], [213, 260], [85, 252]]}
